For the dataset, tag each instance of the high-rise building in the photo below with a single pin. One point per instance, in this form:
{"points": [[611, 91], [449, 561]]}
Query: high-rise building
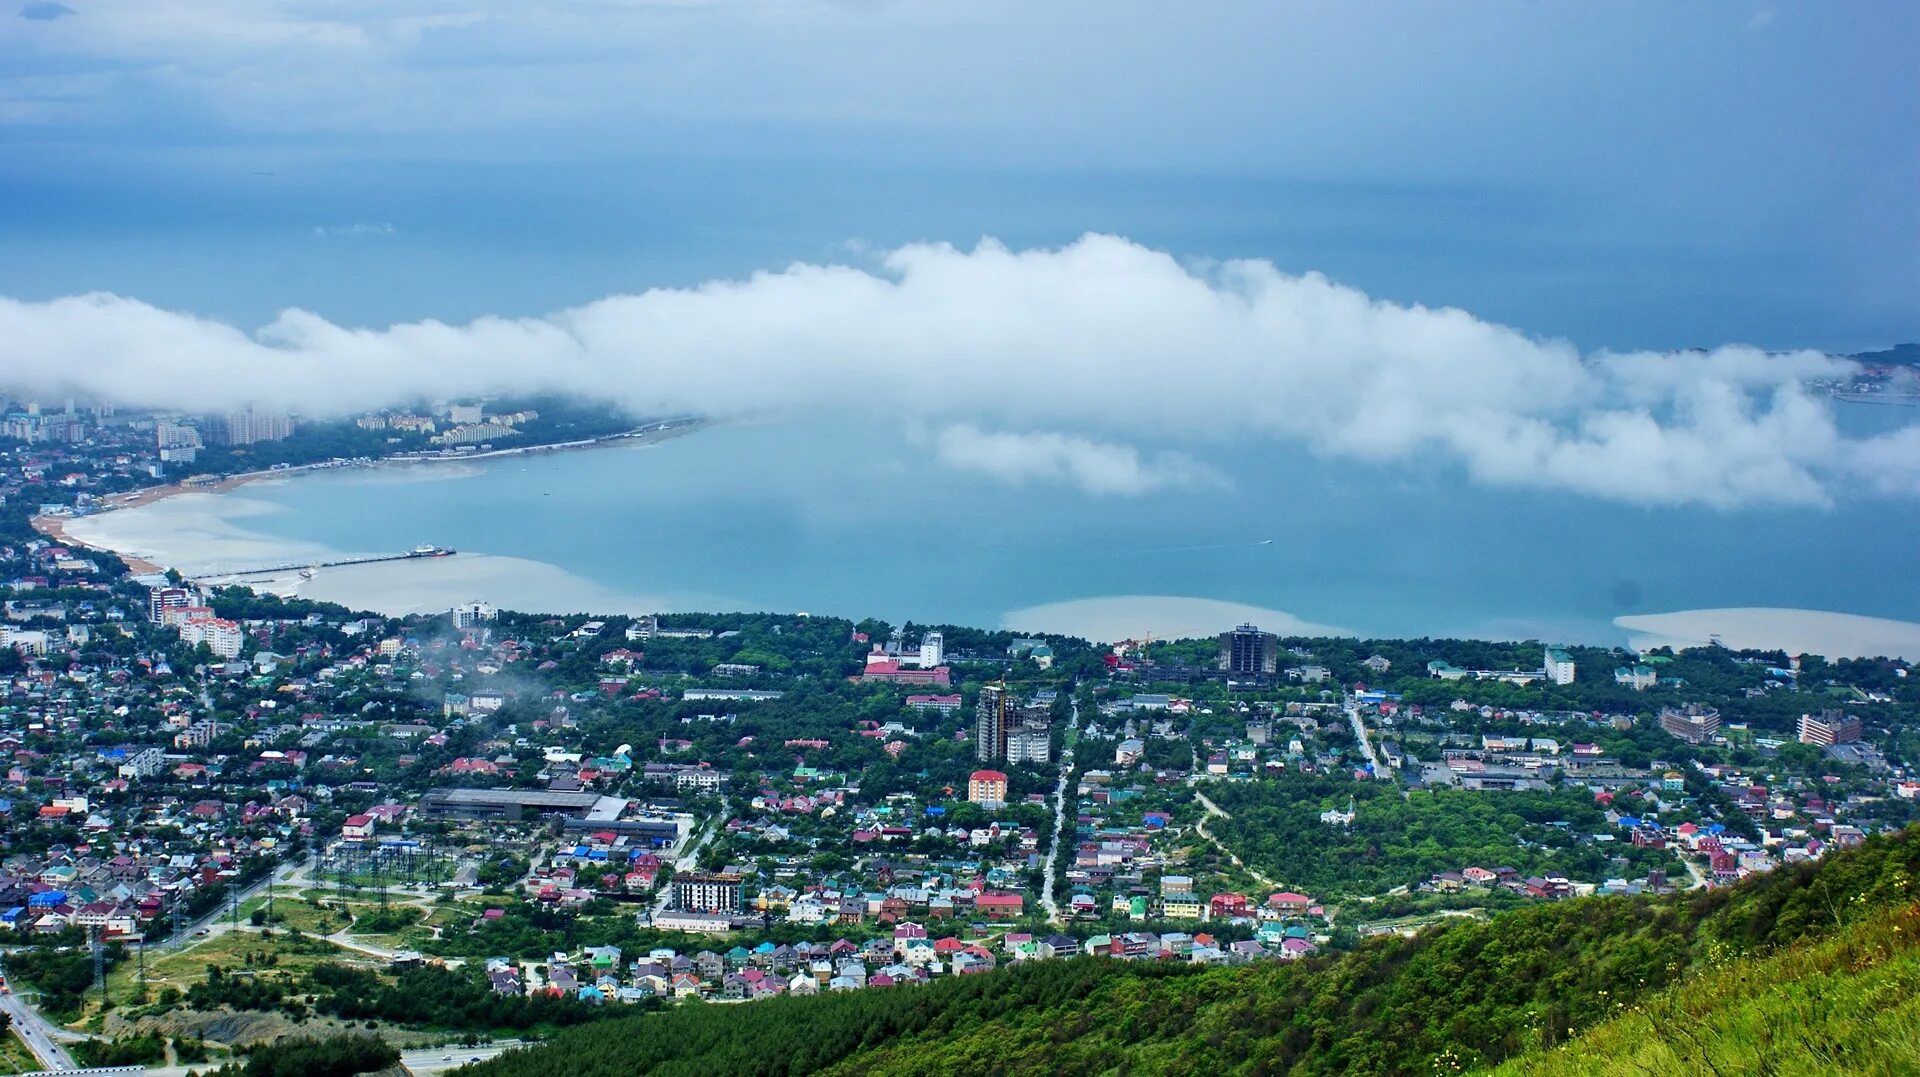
{"points": [[1559, 666], [990, 723], [246, 427], [1248, 651], [1694, 723], [168, 434], [1030, 744], [706, 893], [222, 636], [933, 648], [1830, 728], [468, 614], [162, 599]]}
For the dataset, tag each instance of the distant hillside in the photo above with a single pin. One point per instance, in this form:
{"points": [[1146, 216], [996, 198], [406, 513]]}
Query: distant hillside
{"points": [[1898, 355], [1469, 995]]}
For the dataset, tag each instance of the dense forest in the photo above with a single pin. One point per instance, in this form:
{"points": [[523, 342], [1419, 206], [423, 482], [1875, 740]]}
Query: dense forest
{"points": [[425, 997], [1465, 995], [305, 1056]]}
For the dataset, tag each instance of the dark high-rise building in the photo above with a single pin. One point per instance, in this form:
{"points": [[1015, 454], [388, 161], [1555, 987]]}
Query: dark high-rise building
{"points": [[1247, 650], [990, 723]]}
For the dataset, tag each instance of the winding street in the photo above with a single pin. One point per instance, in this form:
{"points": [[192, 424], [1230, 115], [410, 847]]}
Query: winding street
{"points": [[1047, 872], [1360, 734], [1201, 829]]}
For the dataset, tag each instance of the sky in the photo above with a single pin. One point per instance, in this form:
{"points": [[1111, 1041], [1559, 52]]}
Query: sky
{"points": [[1485, 230]]}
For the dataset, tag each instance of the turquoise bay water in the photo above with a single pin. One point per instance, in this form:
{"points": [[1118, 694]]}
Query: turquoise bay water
{"points": [[846, 516]]}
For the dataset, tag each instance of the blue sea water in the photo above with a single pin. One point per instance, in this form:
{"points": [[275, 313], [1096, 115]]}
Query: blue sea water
{"points": [[849, 516]]}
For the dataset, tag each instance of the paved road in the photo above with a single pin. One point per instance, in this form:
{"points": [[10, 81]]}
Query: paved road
{"points": [[36, 1033], [443, 1059], [1360, 734], [1059, 824], [689, 858], [419, 1060]]}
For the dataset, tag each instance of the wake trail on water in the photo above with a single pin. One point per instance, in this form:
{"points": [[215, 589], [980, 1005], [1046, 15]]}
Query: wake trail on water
{"points": [[1205, 546]]}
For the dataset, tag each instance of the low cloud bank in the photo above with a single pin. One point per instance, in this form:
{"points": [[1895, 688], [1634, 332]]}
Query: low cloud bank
{"points": [[1042, 365]]}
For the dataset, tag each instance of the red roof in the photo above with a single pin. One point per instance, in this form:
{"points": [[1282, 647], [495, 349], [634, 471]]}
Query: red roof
{"points": [[987, 776]]}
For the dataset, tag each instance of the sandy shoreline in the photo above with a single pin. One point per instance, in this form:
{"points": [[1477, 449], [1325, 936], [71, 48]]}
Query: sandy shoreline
{"points": [[1119, 617], [55, 526], [1834, 635]]}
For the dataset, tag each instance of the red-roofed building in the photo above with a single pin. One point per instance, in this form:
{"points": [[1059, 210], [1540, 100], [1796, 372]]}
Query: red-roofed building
{"points": [[1000, 906], [891, 672], [1289, 903], [987, 788]]}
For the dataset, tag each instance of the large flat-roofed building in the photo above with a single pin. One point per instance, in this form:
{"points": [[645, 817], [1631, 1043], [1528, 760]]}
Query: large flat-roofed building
{"points": [[1831, 727], [1693, 723], [656, 833], [1559, 666], [506, 805]]}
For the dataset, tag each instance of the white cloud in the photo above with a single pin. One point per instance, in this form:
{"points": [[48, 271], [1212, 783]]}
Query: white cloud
{"points": [[1105, 341], [1098, 467]]}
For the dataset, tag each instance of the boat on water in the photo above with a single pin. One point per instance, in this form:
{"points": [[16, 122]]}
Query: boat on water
{"points": [[430, 551], [308, 573]]}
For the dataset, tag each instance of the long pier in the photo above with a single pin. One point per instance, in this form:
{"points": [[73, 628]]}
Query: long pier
{"points": [[340, 563]]}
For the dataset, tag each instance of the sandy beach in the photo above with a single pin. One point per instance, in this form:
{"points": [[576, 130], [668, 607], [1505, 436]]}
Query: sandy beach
{"points": [[1121, 617], [1835, 635], [63, 529], [59, 529]]}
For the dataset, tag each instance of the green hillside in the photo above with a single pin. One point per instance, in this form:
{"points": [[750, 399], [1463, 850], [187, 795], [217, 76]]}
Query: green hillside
{"points": [[1521, 986], [1846, 1003]]}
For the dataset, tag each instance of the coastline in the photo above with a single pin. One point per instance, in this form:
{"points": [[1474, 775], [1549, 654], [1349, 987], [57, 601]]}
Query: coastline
{"points": [[1794, 631], [54, 526]]}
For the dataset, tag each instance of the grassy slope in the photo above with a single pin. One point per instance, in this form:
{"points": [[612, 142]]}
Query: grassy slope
{"points": [[1845, 1004], [1469, 994]]}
